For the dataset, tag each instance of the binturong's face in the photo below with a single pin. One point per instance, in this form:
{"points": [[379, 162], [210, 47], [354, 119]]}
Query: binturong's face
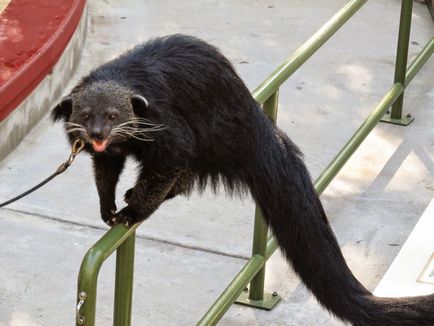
{"points": [[103, 114]]}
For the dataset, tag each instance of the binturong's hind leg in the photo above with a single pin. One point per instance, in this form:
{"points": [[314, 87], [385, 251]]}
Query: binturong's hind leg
{"points": [[145, 197], [183, 185]]}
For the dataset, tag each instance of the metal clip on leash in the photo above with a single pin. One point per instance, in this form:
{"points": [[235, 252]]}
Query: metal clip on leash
{"points": [[77, 146]]}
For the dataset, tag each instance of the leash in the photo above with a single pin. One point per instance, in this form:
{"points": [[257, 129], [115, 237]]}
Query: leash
{"points": [[77, 146]]}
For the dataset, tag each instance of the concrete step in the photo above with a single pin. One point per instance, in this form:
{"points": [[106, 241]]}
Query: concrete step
{"points": [[412, 271]]}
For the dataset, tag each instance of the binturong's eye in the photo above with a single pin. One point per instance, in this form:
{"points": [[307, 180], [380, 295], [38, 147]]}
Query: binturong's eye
{"points": [[112, 116], [85, 116]]}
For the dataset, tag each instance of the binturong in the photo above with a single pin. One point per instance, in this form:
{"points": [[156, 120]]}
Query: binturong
{"points": [[177, 106]]}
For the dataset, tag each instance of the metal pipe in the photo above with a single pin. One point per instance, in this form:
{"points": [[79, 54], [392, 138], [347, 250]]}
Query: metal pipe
{"points": [[256, 289], [89, 269], [272, 246], [401, 54], [271, 105], [419, 61], [124, 282], [260, 233], [288, 67], [222, 304]]}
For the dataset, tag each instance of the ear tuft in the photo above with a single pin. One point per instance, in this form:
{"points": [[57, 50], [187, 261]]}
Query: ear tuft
{"points": [[62, 111], [140, 104]]}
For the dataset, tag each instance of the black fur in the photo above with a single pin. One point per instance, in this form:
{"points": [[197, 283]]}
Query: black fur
{"points": [[214, 132]]}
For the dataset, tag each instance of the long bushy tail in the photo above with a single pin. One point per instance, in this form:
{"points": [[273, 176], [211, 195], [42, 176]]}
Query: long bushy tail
{"points": [[283, 189]]}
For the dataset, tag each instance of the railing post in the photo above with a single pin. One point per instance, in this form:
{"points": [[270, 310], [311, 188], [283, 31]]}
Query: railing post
{"points": [[395, 115], [256, 297], [260, 233], [87, 288], [124, 282], [120, 237]]}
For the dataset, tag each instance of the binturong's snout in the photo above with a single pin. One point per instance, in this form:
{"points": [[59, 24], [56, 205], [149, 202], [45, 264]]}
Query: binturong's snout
{"points": [[98, 139]]}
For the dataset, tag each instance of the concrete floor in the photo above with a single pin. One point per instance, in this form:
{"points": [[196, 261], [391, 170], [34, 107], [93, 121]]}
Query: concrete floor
{"points": [[189, 251]]}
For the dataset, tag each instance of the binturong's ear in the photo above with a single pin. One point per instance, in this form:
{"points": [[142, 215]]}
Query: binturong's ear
{"points": [[140, 105], [63, 110]]}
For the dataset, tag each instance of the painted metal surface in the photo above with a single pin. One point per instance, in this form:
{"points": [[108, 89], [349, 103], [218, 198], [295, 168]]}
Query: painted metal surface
{"points": [[267, 302], [124, 282], [92, 262], [419, 61], [402, 54]]}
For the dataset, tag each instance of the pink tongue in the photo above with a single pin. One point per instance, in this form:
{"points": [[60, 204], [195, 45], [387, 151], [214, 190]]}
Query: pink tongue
{"points": [[99, 146]]}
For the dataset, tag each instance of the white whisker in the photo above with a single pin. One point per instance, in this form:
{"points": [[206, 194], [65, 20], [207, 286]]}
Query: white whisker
{"points": [[139, 121], [137, 130], [133, 134], [75, 129], [71, 124]]}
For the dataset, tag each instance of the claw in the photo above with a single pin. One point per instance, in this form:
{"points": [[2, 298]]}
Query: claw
{"points": [[125, 216], [120, 219], [130, 222], [111, 221]]}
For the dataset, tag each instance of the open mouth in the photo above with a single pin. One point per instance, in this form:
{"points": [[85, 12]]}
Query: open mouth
{"points": [[99, 145]]}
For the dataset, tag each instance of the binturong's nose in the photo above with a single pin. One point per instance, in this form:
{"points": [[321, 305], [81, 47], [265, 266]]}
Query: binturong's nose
{"points": [[96, 133], [98, 142]]}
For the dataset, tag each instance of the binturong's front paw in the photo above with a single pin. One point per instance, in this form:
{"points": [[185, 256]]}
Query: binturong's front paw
{"points": [[125, 216], [107, 214]]}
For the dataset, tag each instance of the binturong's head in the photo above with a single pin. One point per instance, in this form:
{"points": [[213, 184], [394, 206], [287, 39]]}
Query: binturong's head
{"points": [[104, 113]]}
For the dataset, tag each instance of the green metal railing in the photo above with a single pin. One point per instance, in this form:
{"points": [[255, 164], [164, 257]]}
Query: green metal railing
{"points": [[118, 238], [122, 239]]}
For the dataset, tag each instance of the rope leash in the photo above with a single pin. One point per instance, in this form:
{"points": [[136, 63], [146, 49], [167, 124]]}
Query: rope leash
{"points": [[77, 146]]}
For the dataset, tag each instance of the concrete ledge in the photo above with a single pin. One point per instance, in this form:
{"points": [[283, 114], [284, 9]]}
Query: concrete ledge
{"points": [[18, 123], [412, 271]]}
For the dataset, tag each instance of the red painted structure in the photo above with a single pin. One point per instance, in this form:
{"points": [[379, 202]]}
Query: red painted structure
{"points": [[33, 35]]}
